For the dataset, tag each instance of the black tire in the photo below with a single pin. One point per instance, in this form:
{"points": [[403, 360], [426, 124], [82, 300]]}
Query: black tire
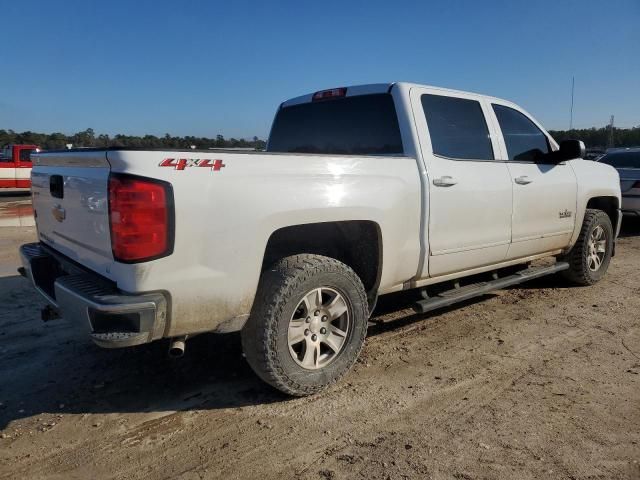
{"points": [[265, 335], [579, 271]]}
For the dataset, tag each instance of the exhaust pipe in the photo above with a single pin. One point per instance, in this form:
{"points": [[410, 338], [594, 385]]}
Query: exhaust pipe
{"points": [[49, 312], [176, 347]]}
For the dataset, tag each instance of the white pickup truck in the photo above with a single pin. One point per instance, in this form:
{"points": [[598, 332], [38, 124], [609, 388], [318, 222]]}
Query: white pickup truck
{"points": [[362, 191]]}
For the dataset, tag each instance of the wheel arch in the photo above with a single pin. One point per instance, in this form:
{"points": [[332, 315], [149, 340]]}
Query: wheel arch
{"points": [[608, 204], [356, 243]]}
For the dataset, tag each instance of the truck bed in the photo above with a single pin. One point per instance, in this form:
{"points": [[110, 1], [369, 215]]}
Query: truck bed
{"points": [[227, 205]]}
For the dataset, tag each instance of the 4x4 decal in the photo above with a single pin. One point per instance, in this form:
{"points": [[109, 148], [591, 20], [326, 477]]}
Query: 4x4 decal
{"points": [[565, 214], [182, 163]]}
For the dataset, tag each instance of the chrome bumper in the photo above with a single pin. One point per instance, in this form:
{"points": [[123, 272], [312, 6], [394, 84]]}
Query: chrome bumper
{"points": [[111, 317]]}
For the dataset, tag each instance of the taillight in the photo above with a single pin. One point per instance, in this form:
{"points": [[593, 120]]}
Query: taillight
{"points": [[636, 185], [141, 218], [326, 94]]}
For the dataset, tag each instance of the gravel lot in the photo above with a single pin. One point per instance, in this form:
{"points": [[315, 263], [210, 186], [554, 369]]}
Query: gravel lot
{"points": [[541, 381]]}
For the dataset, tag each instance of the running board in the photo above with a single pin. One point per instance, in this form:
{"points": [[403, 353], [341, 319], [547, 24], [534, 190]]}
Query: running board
{"points": [[444, 299]]}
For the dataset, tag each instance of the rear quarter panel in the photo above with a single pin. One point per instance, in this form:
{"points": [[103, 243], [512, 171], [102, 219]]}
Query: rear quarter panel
{"points": [[224, 219]]}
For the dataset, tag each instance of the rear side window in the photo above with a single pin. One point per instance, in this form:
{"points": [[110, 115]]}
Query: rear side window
{"points": [[622, 159], [524, 140], [360, 125], [5, 155], [457, 127]]}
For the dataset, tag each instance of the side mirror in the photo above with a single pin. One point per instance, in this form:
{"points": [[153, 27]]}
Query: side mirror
{"points": [[569, 150]]}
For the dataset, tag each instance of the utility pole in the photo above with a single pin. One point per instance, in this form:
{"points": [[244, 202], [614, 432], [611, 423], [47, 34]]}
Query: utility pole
{"points": [[573, 84], [610, 142]]}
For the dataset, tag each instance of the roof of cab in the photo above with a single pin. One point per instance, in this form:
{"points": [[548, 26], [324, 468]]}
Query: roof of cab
{"points": [[373, 88]]}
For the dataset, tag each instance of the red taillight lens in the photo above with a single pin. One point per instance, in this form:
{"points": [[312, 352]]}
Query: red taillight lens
{"points": [[326, 94], [141, 218], [636, 185]]}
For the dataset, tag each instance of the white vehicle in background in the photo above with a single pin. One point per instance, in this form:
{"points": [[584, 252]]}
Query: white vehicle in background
{"points": [[362, 191], [627, 162]]}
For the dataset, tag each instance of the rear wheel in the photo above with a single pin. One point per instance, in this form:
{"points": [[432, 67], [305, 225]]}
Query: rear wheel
{"points": [[590, 256], [308, 324]]}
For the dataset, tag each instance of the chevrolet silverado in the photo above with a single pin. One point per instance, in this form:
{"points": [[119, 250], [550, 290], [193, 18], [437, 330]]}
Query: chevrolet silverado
{"points": [[362, 191]]}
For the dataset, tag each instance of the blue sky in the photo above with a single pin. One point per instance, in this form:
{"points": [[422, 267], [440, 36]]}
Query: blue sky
{"points": [[206, 68]]}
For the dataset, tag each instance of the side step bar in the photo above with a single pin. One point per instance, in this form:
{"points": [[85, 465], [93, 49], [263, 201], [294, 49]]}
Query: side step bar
{"points": [[445, 299]]}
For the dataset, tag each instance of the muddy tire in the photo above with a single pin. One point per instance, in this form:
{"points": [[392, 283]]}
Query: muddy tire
{"points": [[307, 325], [590, 256]]}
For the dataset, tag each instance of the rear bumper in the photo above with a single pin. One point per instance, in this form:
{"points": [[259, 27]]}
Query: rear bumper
{"points": [[111, 317]]}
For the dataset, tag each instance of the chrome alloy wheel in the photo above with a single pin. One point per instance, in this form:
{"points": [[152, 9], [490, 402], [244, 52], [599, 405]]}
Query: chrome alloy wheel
{"points": [[318, 328], [597, 248]]}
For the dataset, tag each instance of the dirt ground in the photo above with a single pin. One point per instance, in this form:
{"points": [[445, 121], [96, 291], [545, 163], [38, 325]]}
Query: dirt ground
{"points": [[541, 381]]}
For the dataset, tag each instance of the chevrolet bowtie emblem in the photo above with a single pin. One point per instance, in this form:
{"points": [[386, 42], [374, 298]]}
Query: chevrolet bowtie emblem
{"points": [[58, 213]]}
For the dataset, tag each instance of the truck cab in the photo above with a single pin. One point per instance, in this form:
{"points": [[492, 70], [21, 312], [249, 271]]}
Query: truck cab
{"points": [[15, 166]]}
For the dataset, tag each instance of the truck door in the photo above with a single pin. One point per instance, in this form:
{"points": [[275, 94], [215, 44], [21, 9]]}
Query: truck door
{"points": [[468, 195], [7, 169], [23, 166], [544, 194]]}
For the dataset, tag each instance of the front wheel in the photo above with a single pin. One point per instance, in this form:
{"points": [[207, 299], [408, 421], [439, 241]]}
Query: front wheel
{"points": [[308, 324], [590, 256]]}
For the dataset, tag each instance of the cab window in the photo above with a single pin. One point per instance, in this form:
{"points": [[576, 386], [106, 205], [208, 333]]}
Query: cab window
{"points": [[5, 155], [629, 159], [25, 155], [457, 127], [524, 140], [359, 125]]}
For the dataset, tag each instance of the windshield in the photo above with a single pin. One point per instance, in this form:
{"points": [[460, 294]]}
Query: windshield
{"points": [[360, 125], [622, 159]]}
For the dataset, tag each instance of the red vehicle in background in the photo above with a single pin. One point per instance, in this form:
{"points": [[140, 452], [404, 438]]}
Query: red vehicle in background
{"points": [[15, 166]]}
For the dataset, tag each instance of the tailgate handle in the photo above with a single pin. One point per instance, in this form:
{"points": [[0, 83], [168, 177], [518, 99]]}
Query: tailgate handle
{"points": [[56, 186]]}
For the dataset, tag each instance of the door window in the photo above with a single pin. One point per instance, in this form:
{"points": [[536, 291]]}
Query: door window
{"points": [[457, 127], [524, 140], [622, 159], [25, 155]]}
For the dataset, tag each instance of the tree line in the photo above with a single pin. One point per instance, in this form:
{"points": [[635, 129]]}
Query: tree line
{"points": [[598, 138], [592, 137], [88, 138]]}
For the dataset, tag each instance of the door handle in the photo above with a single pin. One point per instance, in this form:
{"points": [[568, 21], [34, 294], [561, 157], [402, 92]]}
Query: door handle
{"points": [[523, 180], [445, 181]]}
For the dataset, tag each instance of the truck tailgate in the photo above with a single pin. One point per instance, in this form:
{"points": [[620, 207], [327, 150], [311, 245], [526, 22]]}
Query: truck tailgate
{"points": [[70, 200]]}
